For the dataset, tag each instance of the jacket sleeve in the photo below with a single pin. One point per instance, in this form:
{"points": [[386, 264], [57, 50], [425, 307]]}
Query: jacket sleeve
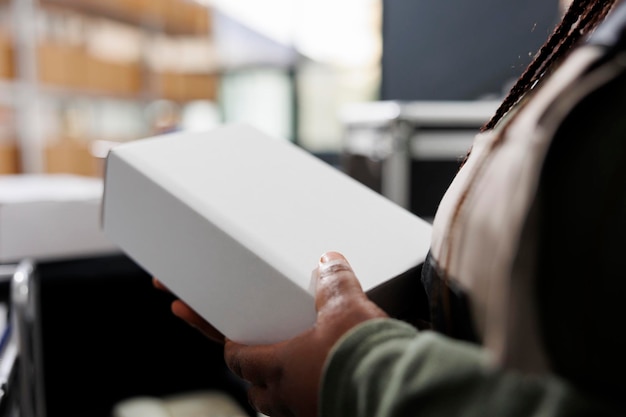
{"points": [[386, 368]]}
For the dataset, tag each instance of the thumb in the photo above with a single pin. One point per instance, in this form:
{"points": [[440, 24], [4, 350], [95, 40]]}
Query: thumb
{"points": [[335, 281]]}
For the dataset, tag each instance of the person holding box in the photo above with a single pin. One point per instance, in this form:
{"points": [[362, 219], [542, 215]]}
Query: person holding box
{"points": [[525, 275]]}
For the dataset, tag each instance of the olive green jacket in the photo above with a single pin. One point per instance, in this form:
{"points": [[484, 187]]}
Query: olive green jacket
{"points": [[386, 368]]}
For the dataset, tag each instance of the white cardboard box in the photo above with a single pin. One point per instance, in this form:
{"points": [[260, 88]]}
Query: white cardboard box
{"points": [[234, 222], [51, 216]]}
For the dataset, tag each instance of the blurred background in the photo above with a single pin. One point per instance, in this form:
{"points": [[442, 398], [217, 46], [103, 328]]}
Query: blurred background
{"points": [[77, 76]]}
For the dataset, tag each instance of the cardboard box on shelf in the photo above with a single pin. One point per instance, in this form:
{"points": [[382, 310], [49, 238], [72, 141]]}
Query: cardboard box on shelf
{"points": [[93, 74], [50, 217], [184, 87], [234, 221], [9, 158], [71, 157], [129, 79], [51, 60], [199, 87], [198, 17], [107, 77], [169, 85], [134, 9], [75, 67], [72, 67], [173, 16], [7, 65], [61, 65], [127, 11], [186, 16], [155, 11]]}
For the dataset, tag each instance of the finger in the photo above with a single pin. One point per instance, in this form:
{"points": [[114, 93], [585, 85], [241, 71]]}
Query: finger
{"points": [[261, 399], [258, 398], [254, 364], [335, 280], [159, 285], [186, 313]]}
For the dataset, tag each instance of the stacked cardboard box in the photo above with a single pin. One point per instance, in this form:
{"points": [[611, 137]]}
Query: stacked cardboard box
{"points": [[176, 16], [183, 87], [6, 57], [71, 156], [71, 66], [9, 158], [112, 77]]}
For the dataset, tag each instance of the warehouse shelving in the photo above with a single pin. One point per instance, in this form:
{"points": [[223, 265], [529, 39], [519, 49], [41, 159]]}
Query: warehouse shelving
{"points": [[36, 67]]}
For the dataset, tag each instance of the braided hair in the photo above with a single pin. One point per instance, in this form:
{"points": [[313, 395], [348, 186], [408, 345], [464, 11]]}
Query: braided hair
{"points": [[580, 19]]}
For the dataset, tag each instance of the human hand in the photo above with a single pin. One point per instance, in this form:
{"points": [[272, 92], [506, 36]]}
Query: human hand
{"points": [[285, 377], [186, 313]]}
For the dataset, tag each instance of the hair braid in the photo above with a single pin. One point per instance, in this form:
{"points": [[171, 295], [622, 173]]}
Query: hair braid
{"points": [[579, 20]]}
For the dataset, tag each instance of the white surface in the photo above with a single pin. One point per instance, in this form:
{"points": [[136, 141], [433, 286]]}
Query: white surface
{"points": [[141, 407], [233, 222], [441, 145], [49, 188], [439, 113], [189, 404], [50, 217]]}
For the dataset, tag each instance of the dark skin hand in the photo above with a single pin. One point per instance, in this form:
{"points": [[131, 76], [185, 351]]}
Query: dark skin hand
{"points": [[285, 377], [186, 313]]}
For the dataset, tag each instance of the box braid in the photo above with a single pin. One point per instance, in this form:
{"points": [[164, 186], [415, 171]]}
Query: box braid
{"points": [[581, 19]]}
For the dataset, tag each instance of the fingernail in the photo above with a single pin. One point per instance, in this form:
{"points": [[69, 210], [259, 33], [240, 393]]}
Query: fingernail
{"points": [[331, 257], [331, 263]]}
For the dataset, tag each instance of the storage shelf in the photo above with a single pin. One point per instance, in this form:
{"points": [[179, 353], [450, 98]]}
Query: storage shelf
{"points": [[180, 94], [70, 92], [173, 17], [59, 65]]}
